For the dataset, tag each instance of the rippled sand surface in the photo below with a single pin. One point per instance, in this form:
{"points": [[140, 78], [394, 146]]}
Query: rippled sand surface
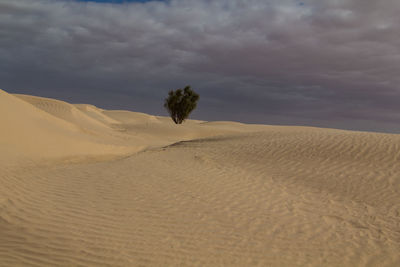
{"points": [[82, 186]]}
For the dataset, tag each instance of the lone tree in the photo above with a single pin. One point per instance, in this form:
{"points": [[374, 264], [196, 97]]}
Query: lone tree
{"points": [[180, 103]]}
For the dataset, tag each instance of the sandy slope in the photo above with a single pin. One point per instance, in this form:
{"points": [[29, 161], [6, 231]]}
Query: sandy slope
{"points": [[81, 186]]}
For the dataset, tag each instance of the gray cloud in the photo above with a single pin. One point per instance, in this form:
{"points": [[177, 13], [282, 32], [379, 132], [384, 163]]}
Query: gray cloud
{"points": [[325, 63]]}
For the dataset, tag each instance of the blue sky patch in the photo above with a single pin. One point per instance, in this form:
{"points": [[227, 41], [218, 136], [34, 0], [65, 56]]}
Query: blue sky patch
{"points": [[119, 1]]}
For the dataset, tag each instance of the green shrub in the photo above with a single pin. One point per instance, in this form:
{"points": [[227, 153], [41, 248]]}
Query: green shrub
{"points": [[181, 103]]}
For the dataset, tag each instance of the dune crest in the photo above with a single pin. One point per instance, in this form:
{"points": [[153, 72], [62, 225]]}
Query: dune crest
{"points": [[36, 128], [39, 128], [70, 113], [201, 193]]}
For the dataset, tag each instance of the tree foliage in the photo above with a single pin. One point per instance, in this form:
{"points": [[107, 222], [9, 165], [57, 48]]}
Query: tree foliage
{"points": [[180, 103]]}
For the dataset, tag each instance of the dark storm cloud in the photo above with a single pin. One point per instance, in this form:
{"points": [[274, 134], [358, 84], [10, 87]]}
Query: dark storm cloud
{"points": [[328, 63]]}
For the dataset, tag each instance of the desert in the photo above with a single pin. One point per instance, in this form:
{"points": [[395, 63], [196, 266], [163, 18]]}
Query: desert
{"points": [[84, 186]]}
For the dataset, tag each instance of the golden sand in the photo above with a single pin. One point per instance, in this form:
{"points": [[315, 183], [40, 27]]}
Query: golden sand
{"points": [[83, 186]]}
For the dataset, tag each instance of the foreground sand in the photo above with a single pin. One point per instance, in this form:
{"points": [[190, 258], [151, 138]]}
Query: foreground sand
{"points": [[81, 186]]}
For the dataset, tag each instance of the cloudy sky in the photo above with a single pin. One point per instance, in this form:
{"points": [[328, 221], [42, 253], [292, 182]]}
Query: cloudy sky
{"points": [[330, 63]]}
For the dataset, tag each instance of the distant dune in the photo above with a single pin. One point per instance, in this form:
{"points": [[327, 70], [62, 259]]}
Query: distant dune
{"points": [[83, 186]]}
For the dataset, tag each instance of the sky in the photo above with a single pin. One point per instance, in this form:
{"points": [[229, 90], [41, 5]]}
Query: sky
{"points": [[118, 1], [325, 63]]}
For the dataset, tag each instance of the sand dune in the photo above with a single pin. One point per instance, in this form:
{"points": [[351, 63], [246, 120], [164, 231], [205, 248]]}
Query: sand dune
{"points": [[31, 133], [138, 190], [93, 123]]}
